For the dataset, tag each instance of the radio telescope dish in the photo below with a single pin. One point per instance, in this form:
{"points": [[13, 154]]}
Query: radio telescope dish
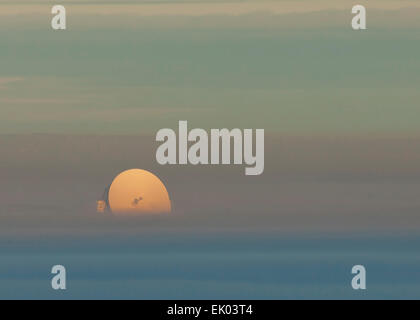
{"points": [[138, 191]]}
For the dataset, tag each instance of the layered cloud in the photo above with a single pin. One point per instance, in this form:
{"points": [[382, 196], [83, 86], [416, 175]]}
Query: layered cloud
{"points": [[6, 81], [200, 8]]}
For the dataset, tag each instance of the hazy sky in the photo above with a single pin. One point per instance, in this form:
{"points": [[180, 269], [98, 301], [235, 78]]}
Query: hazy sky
{"points": [[340, 110], [286, 66]]}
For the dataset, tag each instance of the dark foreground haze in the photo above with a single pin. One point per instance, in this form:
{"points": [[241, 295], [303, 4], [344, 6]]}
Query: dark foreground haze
{"points": [[321, 206]]}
